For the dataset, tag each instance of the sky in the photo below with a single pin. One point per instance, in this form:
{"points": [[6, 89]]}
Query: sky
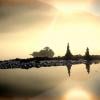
{"points": [[30, 25]]}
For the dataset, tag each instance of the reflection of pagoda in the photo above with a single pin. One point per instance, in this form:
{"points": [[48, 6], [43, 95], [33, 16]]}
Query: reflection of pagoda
{"points": [[68, 54], [69, 68], [88, 67], [88, 64]]}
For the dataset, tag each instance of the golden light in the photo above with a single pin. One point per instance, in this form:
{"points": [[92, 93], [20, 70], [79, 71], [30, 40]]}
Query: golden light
{"points": [[77, 94], [66, 9], [70, 22]]}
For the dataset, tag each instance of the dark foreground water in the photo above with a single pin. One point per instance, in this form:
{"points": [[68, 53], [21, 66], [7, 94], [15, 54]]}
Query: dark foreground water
{"points": [[51, 83]]}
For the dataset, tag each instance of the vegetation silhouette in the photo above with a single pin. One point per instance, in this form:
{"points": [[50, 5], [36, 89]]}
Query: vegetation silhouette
{"points": [[45, 58], [45, 52]]}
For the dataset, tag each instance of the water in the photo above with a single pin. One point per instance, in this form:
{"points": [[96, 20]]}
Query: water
{"points": [[52, 83]]}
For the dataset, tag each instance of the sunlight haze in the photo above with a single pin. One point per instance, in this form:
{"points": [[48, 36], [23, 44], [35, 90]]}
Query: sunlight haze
{"points": [[30, 25]]}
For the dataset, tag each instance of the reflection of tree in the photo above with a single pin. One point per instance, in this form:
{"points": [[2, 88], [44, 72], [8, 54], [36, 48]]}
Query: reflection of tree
{"points": [[69, 65]]}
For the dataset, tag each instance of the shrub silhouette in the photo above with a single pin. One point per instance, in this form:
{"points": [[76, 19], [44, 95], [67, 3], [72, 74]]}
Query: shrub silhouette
{"points": [[45, 52]]}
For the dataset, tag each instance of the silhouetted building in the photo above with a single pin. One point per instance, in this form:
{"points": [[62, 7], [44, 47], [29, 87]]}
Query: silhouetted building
{"points": [[87, 55], [68, 54]]}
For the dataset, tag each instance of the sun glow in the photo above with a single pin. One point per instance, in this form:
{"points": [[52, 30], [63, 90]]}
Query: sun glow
{"points": [[68, 21], [77, 94], [66, 9]]}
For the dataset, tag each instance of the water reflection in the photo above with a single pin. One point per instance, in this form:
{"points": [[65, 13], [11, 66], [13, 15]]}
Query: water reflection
{"points": [[88, 64], [69, 68], [51, 83], [77, 94]]}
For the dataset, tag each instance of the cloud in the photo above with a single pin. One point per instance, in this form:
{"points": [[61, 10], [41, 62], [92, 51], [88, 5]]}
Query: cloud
{"points": [[95, 6], [18, 17], [66, 1], [17, 2]]}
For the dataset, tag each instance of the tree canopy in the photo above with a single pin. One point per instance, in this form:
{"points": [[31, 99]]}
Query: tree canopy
{"points": [[45, 52]]}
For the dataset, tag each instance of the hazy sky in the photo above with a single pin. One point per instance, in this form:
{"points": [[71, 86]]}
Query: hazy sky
{"points": [[30, 25]]}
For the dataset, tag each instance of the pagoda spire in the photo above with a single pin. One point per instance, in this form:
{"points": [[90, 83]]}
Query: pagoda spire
{"points": [[68, 54], [87, 54]]}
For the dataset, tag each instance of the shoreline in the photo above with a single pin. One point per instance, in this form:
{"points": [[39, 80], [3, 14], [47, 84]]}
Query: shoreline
{"points": [[29, 63]]}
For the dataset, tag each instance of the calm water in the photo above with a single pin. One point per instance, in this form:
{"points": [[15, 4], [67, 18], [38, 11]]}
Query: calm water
{"points": [[52, 83]]}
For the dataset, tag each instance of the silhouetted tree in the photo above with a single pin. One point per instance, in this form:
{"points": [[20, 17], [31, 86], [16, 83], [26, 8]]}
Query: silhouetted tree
{"points": [[35, 54], [45, 52], [68, 54]]}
